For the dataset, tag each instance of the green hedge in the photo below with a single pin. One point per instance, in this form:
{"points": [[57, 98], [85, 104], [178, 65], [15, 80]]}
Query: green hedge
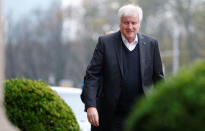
{"points": [[176, 105], [33, 106]]}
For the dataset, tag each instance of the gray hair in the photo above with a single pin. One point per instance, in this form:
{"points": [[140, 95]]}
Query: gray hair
{"points": [[130, 10]]}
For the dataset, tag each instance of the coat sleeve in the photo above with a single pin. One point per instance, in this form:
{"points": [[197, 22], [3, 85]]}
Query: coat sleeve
{"points": [[157, 70], [93, 76]]}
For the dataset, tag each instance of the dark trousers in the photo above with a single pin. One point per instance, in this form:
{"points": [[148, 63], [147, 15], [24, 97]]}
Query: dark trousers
{"points": [[117, 125]]}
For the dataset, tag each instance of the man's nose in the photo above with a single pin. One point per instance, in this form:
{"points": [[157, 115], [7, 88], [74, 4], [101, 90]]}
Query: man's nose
{"points": [[130, 25]]}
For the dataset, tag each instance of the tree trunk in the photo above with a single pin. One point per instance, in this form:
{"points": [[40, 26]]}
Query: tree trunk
{"points": [[4, 123]]}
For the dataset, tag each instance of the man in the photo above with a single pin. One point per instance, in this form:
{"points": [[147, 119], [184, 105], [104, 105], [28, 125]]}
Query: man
{"points": [[124, 66]]}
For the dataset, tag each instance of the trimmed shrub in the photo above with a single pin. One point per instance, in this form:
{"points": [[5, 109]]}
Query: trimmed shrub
{"points": [[33, 106], [176, 105]]}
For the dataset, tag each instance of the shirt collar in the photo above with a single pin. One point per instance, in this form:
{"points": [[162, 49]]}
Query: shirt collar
{"points": [[126, 41]]}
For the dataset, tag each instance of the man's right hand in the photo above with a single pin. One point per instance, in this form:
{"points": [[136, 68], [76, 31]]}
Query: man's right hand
{"points": [[92, 115]]}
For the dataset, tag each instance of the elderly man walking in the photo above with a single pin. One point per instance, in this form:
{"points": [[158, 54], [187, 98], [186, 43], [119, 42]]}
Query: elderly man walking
{"points": [[124, 66]]}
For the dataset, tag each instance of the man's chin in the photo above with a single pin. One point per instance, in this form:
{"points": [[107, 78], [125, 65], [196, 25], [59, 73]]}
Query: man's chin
{"points": [[131, 37]]}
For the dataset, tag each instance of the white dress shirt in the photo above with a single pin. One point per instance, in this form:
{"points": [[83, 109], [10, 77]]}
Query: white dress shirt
{"points": [[130, 46]]}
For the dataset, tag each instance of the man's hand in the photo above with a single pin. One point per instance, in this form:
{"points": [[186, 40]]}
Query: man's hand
{"points": [[92, 115]]}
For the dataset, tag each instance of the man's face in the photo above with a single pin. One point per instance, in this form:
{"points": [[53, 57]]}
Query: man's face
{"points": [[129, 27]]}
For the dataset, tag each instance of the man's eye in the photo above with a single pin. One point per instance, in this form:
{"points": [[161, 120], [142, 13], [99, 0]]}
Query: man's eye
{"points": [[126, 23], [134, 23]]}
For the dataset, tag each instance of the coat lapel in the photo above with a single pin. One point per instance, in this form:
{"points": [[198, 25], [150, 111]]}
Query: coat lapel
{"points": [[119, 52], [142, 51]]}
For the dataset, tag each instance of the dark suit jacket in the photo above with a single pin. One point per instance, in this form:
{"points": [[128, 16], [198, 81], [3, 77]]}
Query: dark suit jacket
{"points": [[104, 73]]}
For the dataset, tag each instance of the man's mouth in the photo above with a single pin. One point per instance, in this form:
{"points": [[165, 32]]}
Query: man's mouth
{"points": [[129, 31]]}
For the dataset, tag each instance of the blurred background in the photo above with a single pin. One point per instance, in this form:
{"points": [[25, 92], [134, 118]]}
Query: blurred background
{"points": [[53, 40]]}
